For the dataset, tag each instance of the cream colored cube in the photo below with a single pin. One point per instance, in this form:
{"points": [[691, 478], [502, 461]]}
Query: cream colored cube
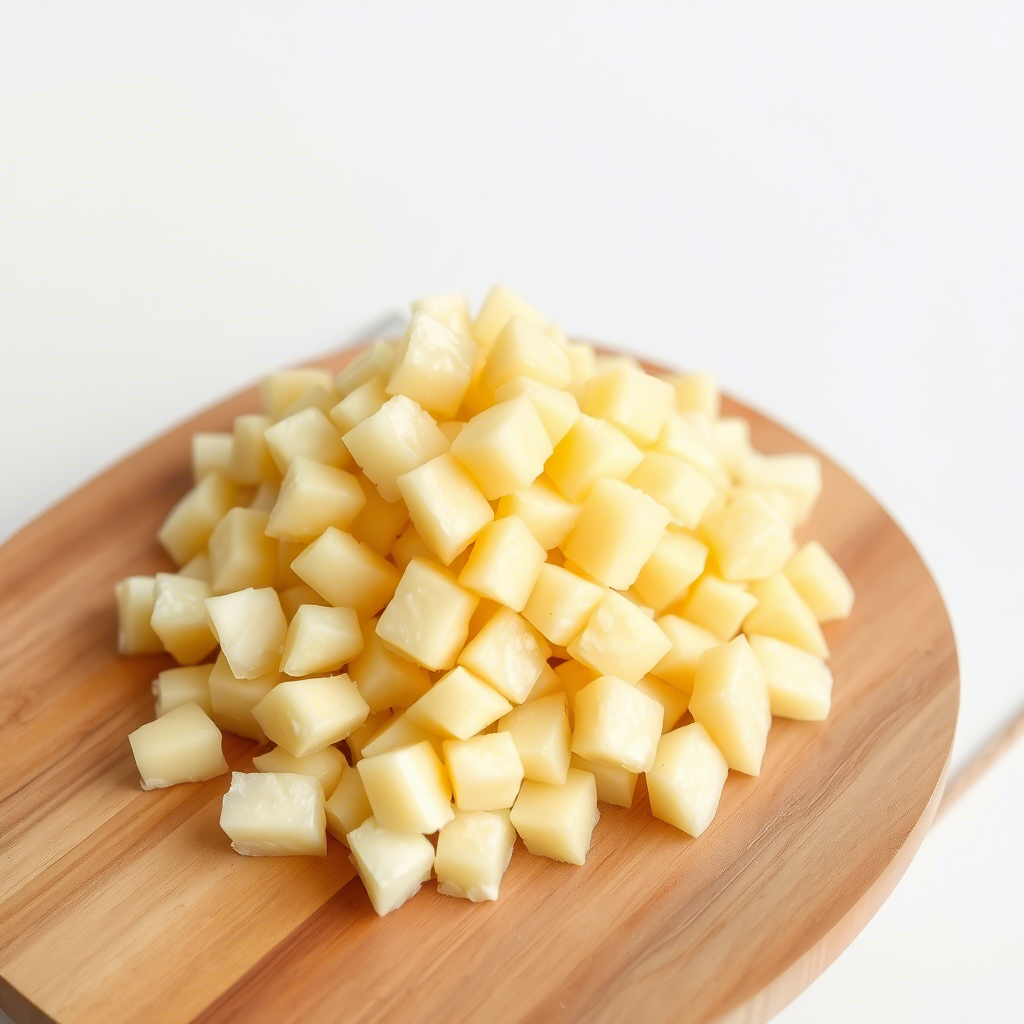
{"points": [[673, 701], [135, 597], [731, 438], [557, 409], [620, 640], [614, 785], [685, 785], [446, 506], [375, 360], [265, 497], [458, 705], [689, 641], [583, 364], [384, 679], [798, 475], [347, 807], [241, 554], [486, 771], [561, 604], [211, 453], [176, 686], [499, 307], [306, 715], [504, 563], [508, 653], [392, 865], [799, 684], [717, 606], [730, 699], [347, 573], [676, 562], [275, 815], [321, 398], [473, 851], [181, 746], [590, 451], [427, 620], [540, 731], [398, 437], [820, 582], [251, 629], [504, 448], [675, 484], [408, 546], [251, 461], [379, 522], [198, 568], [522, 350], [616, 724], [309, 434], [451, 309], [232, 699], [359, 404], [320, 640], [696, 392], [632, 400], [782, 613], [748, 538], [547, 684], [408, 789], [312, 498], [399, 731], [325, 765], [433, 365], [616, 533], [188, 525], [179, 617], [281, 389], [548, 515], [364, 734], [683, 439], [779, 501], [293, 598], [558, 821]]}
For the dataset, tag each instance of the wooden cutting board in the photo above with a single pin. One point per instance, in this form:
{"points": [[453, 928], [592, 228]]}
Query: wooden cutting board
{"points": [[124, 907]]}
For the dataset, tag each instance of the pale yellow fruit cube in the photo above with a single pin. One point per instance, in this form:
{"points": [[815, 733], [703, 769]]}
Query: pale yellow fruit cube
{"points": [[293, 598], [408, 789], [820, 582], [198, 568], [188, 685], [452, 309], [616, 724], [379, 522], [325, 765], [399, 731], [748, 538], [540, 731], [409, 545], [675, 484], [683, 439], [473, 852], [281, 389], [391, 864], [347, 573], [486, 771], [503, 448], [557, 409], [730, 699], [548, 515], [782, 613], [232, 699], [347, 807], [398, 437], [614, 785], [135, 596], [384, 679], [574, 676], [312, 498], [427, 620], [547, 684], [275, 815], [504, 563], [265, 497], [508, 653], [620, 640], [685, 785], [689, 641], [188, 525], [433, 365], [499, 307], [181, 746], [731, 438], [675, 563], [458, 705], [697, 392], [799, 684], [798, 475], [251, 461], [309, 434], [590, 451], [319, 397], [521, 350], [720, 607], [558, 821], [673, 701], [375, 360], [320, 640], [211, 453], [446, 506], [582, 364], [241, 553], [636, 402], [616, 533], [306, 715], [251, 629], [179, 617], [363, 734], [779, 501], [561, 604], [359, 404]]}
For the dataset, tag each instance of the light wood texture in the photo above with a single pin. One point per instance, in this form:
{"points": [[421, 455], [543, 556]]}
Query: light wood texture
{"points": [[123, 906]]}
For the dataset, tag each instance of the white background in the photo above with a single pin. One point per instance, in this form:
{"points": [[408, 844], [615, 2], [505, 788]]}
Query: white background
{"points": [[821, 201]]}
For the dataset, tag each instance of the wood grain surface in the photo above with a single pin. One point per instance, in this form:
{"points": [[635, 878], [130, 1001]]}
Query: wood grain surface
{"points": [[119, 906]]}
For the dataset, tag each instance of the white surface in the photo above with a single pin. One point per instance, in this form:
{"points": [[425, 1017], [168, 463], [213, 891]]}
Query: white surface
{"points": [[821, 201]]}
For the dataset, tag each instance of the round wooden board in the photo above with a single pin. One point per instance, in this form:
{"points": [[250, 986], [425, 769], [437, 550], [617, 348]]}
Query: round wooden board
{"points": [[124, 906]]}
